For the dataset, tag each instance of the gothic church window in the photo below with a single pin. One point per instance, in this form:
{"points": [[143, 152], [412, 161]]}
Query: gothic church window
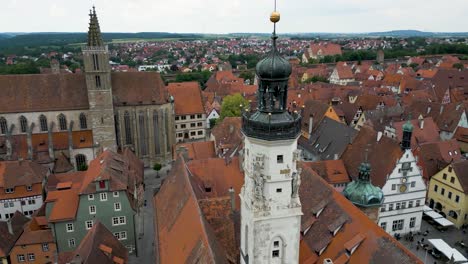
{"points": [[43, 123], [62, 120], [3, 125], [83, 122], [128, 128], [23, 124], [143, 137], [155, 133]]}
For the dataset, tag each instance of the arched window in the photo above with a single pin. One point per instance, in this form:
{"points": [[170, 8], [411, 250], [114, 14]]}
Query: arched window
{"points": [[81, 162], [157, 146], [246, 249], [453, 214], [62, 120], [43, 123], [128, 128], [3, 125], [23, 124], [143, 135], [277, 250], [83, 123]]}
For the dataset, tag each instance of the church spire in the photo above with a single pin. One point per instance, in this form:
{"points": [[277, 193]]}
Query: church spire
{"points": [[407, 132], [94, 31]]}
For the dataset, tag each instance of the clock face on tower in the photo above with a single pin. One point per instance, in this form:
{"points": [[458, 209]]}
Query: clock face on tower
{"points": [[403, 188]]}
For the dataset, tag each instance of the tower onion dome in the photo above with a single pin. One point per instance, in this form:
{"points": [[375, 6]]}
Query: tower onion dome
{"points": [[272, 120], [408, 127], [274, 67], [361, 192]]}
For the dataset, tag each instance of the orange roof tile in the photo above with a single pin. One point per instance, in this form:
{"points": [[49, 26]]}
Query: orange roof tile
{"points": [[196, 150], [377, 247], [187, 98], [333, 171], [182, 231]]}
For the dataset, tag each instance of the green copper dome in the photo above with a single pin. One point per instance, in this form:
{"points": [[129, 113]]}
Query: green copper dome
{"points": [[408, 127], [361, 192]]}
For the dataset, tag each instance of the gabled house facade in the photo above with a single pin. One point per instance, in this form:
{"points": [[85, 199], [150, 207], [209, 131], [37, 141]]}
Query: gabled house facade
{"points": [[109, 191]]}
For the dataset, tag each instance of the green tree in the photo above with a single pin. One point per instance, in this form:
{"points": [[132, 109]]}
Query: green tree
{"points": [[232, 106], [247, 75], [157, 167], [315, 79], [459, 66]]}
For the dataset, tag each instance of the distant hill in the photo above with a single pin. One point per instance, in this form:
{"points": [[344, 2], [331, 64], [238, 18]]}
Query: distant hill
{"points": [[8, 40]]}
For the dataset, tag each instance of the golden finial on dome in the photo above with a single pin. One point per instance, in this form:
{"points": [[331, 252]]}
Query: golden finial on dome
{"points": [[275, 17]]}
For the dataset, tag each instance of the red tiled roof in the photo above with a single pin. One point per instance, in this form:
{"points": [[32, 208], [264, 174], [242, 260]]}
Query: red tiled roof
{"points": [[333, 171], [429, 132], [338, 213], [183, 233], [187, 98]]}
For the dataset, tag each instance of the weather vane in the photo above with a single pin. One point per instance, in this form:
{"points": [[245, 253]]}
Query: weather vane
{"points": [[275, 18]]}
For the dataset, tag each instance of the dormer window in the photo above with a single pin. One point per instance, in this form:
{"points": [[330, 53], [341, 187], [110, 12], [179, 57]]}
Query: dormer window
{"points": [[29, 188], [102, 184], [9, 190]]}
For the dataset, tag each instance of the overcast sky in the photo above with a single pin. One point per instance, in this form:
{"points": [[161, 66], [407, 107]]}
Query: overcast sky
{"points": [[227, 16]]}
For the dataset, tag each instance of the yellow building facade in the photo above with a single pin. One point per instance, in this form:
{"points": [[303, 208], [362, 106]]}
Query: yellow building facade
{"points": [[448, 192]]}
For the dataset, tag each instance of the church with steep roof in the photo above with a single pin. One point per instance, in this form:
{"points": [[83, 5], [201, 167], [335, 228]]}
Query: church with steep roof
{"points": [[64, 120]]}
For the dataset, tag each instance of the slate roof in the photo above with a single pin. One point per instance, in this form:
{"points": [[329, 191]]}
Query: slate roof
{"points": [[98, 246], [329, 138]]}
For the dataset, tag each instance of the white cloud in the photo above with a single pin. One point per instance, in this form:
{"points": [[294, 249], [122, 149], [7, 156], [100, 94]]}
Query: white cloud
{"points": [[223, 16]]}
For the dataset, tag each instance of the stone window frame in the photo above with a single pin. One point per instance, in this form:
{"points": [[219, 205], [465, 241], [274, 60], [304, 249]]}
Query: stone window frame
{"points": [[83, 121], [3, 125], [62, 120], [23, 124], [43, 123]]}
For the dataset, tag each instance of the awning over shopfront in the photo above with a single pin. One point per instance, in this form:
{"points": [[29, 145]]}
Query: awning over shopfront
{"points": [[447, 250], [436, 217]]}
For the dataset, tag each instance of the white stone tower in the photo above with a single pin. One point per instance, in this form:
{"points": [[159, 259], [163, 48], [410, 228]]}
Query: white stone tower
{"points": [[270, 206]]}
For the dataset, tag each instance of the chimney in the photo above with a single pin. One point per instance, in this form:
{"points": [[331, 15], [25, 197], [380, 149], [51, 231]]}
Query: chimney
{"points": [[441, 109], [379, 136], [428, 110], [311, 121], [233, 199], [421, 123], [10, 227], [55, 66], [335, 157]]}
